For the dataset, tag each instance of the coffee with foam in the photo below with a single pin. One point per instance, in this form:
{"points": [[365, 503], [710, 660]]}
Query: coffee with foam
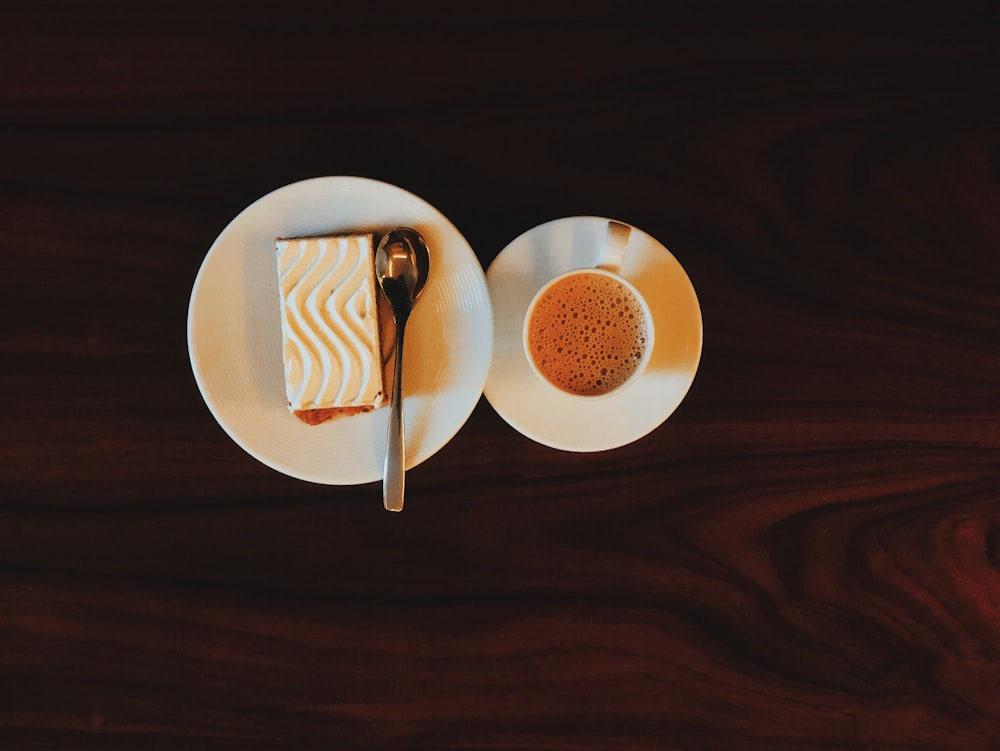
{"points": [[587, 333]]}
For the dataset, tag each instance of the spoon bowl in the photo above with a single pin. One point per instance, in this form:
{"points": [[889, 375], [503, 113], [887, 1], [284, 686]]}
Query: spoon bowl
{"points": [[402, 264]]}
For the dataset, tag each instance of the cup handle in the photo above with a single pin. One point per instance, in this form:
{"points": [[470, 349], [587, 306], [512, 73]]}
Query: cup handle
{"points": [[613, 250]]}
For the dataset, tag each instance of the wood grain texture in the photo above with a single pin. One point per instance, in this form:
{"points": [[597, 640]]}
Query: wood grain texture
{"points": [[806, 555]]}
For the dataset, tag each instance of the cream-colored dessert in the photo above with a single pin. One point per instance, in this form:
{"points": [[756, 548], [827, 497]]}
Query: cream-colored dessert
{"points": [[330, 334]]}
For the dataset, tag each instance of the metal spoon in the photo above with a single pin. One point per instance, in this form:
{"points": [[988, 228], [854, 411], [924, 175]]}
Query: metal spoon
{"points": [[401, 266]]}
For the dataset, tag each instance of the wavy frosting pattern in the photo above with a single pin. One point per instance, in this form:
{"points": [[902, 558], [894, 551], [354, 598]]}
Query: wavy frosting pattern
{"points": [[329, 322]]}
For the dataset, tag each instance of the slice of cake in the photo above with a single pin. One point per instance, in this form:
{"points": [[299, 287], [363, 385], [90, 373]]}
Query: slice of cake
{"points": [[331, 339]]}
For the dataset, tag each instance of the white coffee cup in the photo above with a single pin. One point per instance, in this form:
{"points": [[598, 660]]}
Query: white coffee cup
{"points": [[589, 332]]}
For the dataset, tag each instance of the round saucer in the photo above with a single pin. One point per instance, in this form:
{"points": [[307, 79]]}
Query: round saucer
{"points": [[551, 417]]}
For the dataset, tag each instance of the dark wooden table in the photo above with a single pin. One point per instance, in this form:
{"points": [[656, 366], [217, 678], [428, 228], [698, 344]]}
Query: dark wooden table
{"points": [[806, 555]]}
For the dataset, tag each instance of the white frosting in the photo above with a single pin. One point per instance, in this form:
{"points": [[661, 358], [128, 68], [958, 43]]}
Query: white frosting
{"points": [[329, 322]]}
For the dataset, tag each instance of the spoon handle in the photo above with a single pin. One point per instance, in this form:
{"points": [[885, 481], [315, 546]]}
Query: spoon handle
{"points": [[393, 478]]}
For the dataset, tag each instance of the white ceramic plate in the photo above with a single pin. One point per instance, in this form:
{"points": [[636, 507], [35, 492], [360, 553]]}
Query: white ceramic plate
{"points": [[542, 412], [234, 332]]}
